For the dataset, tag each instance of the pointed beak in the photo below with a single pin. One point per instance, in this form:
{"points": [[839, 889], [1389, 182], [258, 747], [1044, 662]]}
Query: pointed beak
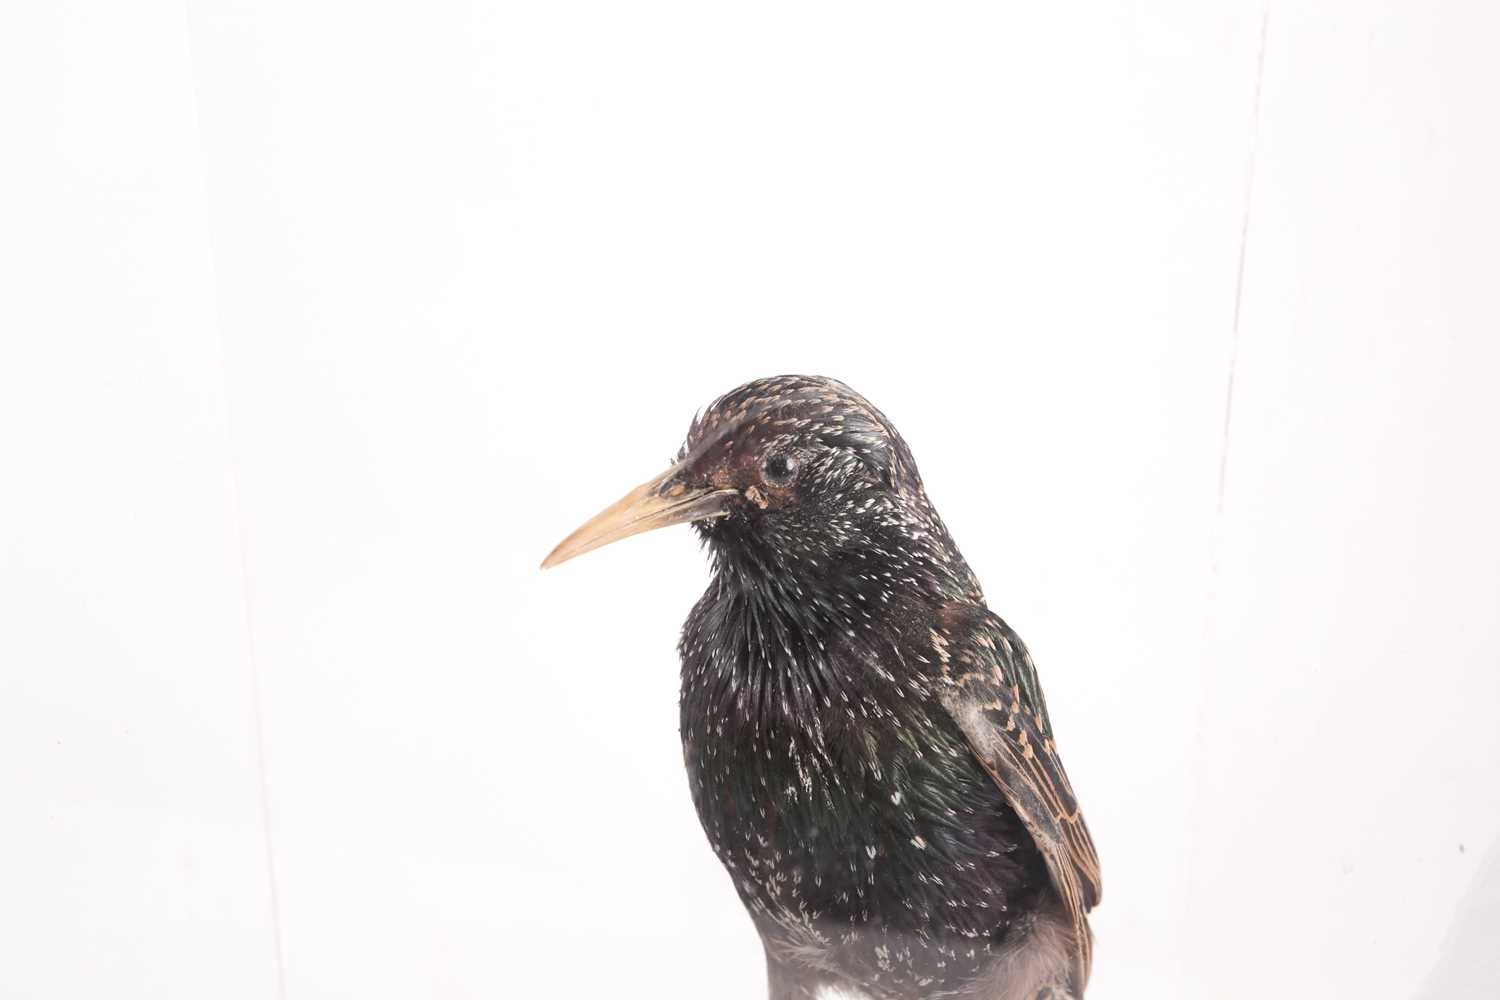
{"points": [[662, 501]]}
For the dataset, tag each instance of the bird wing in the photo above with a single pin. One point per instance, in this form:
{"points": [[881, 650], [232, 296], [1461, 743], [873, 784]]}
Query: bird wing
{"points": [[991, 690]]}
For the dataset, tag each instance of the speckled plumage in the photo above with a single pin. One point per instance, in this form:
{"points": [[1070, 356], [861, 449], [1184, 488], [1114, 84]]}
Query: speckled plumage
{"points": [[867, 745]]}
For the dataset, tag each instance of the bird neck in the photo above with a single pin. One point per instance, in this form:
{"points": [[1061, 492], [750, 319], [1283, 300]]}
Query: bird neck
{"points": [[817, 592], [768, 648]]}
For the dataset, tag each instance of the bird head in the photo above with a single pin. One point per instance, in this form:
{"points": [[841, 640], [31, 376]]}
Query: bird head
{"points": [[794, 476]]}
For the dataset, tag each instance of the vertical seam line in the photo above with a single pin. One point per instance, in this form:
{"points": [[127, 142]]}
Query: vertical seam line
{"points": [[1216, 533], [1239, 277], [263, 784]]}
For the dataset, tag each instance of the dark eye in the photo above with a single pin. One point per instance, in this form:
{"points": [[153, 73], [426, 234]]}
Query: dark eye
{"points": [[780, 466]]}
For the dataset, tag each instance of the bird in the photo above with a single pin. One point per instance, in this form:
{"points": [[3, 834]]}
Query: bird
{"points": [[867, 745]]}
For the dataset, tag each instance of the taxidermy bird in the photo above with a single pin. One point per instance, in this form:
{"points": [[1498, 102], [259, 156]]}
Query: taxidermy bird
{"points": [[866, 743]]}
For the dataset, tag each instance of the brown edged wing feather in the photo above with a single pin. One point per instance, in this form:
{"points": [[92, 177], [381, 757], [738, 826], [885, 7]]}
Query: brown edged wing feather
{"points": [[991, 690]]}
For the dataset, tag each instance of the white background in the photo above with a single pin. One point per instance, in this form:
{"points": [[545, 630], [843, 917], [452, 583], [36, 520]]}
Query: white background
{"points": [[323, 321]]}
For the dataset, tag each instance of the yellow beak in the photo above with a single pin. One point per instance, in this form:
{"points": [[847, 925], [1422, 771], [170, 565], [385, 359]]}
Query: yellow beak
{"points": [[658, 503]]}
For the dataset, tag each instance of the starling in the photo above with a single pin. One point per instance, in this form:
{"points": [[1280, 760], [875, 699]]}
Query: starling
{"points": [[866, 742]]}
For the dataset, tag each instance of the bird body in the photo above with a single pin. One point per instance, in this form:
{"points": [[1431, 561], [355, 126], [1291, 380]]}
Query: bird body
{"points": [[858, 827], [866, 744]]}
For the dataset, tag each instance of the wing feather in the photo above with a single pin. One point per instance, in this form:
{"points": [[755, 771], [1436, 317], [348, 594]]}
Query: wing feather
{"points": [[991, 690]]}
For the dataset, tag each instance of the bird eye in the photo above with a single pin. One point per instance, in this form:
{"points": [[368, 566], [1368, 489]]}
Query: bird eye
{"points": [[780, 466]]}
